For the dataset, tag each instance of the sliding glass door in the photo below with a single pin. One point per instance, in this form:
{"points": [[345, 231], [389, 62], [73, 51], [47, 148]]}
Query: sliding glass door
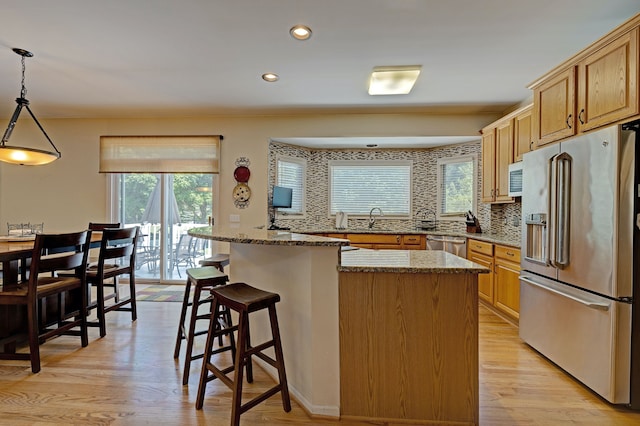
{"points": [[165, 206]]}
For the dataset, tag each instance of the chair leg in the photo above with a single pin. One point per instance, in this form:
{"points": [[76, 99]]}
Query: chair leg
{"points": [[183, 315], [243, 343], [132, 296], [101, 314], [282, 375], [84, 312], [190, 335], [34, 341], [206, 360], [247, 344]]}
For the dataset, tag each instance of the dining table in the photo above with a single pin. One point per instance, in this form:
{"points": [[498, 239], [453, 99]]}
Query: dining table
{"points": [[14, 253]]}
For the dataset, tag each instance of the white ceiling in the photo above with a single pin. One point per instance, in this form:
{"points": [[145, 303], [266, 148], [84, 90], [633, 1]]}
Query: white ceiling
{"points": [[123, 58]]}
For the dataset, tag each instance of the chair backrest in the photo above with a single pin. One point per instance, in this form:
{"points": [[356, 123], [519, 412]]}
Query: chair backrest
{"points": [[185, 245], [118, 243], [96, 226], [59, 252]]}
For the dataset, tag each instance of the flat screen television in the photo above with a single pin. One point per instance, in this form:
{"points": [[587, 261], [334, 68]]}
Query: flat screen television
{"points": [[282, 197]]}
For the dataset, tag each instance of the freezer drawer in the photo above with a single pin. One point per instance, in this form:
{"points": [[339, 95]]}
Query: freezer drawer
{"points": [[586, 335]]}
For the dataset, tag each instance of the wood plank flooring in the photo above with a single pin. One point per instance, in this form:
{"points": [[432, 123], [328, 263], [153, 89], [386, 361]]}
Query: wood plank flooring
{"points": [[130, 378]]}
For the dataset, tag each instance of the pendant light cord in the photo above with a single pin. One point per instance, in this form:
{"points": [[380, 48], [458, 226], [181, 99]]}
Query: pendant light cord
{"points": [[23, 92]]}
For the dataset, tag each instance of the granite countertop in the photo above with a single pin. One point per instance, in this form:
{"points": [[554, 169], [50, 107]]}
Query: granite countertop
{"points": [[407, 261], [488, 237], [264, 236]]}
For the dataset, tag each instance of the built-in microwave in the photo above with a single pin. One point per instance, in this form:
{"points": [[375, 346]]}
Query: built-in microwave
{"points": [[515, 179]]}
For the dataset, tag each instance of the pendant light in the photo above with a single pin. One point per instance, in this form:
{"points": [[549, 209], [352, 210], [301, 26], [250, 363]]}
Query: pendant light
{"points": [[22, 155]]}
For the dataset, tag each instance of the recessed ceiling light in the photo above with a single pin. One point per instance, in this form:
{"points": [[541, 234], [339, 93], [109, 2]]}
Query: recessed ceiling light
{"points": [[393, 80], [270, 77], [300, 32]]}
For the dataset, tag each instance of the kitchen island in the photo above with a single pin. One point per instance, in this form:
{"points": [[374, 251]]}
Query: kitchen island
{"points": [[330, 321]]}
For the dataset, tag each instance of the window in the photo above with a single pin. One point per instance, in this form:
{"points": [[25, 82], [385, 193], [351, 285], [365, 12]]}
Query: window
{"points": [[355, 187], [457, 187], [291, 173]]}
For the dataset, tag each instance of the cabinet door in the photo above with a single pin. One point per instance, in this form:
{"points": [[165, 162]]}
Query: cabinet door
{"points": [[507, 296], [504, 157], [553, 108], [488, 165], [607, 81], [523, 136], [485, 281]]}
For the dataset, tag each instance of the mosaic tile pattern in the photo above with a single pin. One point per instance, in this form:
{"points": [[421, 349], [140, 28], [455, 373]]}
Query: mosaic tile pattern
{"points": [[503, 219]]}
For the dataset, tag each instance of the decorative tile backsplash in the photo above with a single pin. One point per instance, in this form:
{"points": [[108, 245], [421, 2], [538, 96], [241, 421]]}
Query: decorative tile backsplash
{"points": [[494, 218]]}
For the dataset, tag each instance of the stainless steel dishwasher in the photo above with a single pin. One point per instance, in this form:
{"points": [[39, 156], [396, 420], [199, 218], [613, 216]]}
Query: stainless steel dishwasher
{"points": [[455, 245]]}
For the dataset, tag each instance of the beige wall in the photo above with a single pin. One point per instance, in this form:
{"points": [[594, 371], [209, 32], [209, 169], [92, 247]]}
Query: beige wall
{"points": [[70, 192]]}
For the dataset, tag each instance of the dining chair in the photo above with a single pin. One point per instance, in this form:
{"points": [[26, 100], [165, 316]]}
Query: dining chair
{"points": [[117, 257], [93, 258], [44, 292], [183, 254]]}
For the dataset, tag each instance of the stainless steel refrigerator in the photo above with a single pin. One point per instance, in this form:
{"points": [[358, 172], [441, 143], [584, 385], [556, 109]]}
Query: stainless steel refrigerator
{"points": [[580, 230]]}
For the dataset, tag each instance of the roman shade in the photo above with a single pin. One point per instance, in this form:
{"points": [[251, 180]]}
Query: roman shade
{"points": [[160, 154]]}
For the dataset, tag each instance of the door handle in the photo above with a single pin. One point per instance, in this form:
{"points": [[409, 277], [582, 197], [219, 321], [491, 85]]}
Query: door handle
{"points": [[589, 303]]}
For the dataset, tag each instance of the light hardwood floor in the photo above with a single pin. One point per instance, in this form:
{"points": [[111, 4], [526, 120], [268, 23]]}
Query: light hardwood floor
{"points": [[130, 377]]}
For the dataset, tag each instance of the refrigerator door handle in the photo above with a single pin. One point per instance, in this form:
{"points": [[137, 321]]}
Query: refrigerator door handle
{"points": [[552, 203], [589, 303], [562, 210]]}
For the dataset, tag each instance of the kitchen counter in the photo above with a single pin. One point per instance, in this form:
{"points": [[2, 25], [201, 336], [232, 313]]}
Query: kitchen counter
{"points": [[359, 326], [494, 238], [407, 261]]}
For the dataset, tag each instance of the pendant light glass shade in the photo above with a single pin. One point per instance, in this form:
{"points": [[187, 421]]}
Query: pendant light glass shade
{"points": [[23, 155]]}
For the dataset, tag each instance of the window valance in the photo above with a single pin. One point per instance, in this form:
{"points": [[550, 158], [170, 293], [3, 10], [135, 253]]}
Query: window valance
{"points": [[160, 154]]}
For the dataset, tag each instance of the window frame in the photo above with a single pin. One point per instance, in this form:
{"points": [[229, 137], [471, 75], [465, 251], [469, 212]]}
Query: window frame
{"points": [[456, 216], [368, 163], [287, 213]]}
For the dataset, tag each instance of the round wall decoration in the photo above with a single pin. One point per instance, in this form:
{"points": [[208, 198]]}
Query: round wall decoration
{"points": [[242, 192]]}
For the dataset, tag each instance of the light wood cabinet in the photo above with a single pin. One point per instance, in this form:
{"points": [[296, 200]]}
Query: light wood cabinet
{"points": [[523, 133], [383, 241], [497, 154], [500, 289], [504, 157], [597, 87], [554, 106], [507, 282], [607, 83], [488, 165]]}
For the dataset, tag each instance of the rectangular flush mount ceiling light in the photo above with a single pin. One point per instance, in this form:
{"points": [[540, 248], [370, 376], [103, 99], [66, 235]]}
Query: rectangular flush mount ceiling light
{"points": [[393, 80]]}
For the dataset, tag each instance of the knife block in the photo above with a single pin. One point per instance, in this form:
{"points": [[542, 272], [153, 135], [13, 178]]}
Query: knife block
{"points": [[474, 227]]}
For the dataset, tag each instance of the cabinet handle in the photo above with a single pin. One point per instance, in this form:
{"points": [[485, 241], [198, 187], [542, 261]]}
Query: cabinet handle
{"points": [[531, 146], [569, 118], [397, 238], [580, 116], [510, 254]]}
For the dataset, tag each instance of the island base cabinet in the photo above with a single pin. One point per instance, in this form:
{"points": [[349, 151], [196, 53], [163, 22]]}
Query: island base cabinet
{"points": [[409, 347]]}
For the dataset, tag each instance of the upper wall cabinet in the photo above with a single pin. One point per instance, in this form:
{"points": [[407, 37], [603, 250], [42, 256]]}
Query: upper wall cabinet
{"points": [[597, 87], [497, 154], [522, 132], [554, 104], [608, 83]]}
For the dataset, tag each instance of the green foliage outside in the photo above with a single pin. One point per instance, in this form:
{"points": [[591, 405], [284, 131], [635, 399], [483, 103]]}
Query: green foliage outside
{"points": [[194, 202], [458, 190]]}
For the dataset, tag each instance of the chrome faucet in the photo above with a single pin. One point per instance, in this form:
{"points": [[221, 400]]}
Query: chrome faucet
{"points": [[372, 220]]}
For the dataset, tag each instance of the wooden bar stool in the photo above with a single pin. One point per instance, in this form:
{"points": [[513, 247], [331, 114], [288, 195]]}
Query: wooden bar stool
{"points": [[244, 299], [219, 260], [202, 279]]}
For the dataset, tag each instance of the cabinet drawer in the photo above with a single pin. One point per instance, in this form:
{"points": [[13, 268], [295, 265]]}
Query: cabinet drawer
{"points": [[508, 253], [481, 247], [411, 239], [375, 238]]}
